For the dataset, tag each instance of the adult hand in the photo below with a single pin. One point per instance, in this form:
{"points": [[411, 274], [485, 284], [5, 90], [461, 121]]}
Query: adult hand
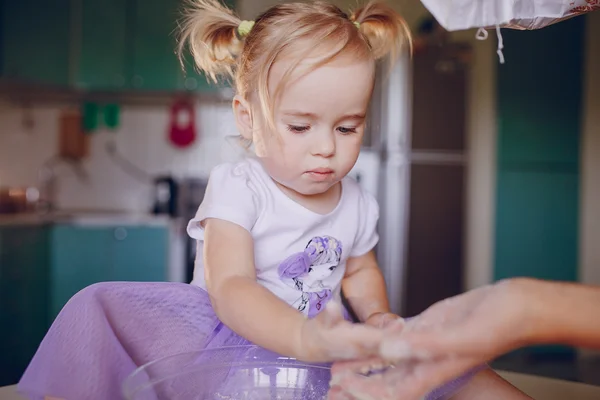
{"points": [[445, 341]]}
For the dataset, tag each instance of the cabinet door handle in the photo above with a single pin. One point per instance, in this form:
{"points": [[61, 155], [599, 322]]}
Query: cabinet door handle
{"points": [[191, 83], [120, 233], [138, 81]]}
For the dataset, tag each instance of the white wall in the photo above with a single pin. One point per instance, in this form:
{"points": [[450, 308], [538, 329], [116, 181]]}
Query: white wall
{"points": [[141, 138]]}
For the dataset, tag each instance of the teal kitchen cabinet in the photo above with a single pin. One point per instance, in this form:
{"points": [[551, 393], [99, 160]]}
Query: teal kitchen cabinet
{"points": [[110, 45], [155, 63], [539, 103], [85, 254], [540, 96], [139, 253], [36, 41], [102, 48], [138, 52], [537, 225], [194, 80], [81, 256], [154, 60], [43, 265], [24, 294]]}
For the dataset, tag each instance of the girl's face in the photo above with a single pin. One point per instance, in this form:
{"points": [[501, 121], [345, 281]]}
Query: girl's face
{"points": [[319, 121]]}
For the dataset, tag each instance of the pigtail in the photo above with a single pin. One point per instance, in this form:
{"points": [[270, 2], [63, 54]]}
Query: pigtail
{"points": [[385, 30], [209, 31]]}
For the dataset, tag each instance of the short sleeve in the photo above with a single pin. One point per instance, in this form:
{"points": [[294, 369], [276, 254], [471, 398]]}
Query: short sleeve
{"points": [[367, 236], [229, 196]]}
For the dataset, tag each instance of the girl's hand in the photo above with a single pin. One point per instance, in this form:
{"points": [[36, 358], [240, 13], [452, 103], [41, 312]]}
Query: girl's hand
{"points": [[365, 372], [382, 319], [329, 337]]}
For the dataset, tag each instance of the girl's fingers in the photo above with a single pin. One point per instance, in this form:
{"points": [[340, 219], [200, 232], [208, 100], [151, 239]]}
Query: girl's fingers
{"points": [[392, 321]]}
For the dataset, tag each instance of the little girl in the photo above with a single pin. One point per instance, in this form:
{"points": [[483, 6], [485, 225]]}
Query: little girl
{"points": [[280, 234]]}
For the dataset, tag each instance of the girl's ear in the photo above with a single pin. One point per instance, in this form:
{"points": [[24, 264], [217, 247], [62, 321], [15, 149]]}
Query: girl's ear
{"points": [[243, 116]]}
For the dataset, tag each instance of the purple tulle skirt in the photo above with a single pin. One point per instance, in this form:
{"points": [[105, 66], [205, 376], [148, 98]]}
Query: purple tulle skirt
{"points": [[107, 330]]}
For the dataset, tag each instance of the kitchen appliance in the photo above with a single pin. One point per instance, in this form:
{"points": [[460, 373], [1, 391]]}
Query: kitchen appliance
{"points": [[179, 199], [15, 200], [165, 196], [192, 193]]}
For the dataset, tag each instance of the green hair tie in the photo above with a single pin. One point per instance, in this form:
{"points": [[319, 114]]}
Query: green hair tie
{"points": [[245, 27], [356, 24]]}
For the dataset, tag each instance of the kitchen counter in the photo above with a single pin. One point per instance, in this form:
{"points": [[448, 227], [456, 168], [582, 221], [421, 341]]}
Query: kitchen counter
{"points": [[542, 388], [535, 386], [85, 218]]}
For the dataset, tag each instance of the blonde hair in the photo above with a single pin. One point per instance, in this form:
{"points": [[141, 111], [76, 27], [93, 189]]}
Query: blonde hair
{"points": [[210, 31]]}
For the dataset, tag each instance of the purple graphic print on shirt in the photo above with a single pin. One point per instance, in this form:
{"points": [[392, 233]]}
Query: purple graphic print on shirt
{"points": [[306, 271]]}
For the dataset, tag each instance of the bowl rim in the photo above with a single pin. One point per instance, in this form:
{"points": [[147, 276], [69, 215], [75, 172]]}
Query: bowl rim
{"points": [[128, 391]]}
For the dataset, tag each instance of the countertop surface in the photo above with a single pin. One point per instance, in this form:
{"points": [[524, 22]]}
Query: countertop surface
{"points": [[84, 217], [535, 386]]}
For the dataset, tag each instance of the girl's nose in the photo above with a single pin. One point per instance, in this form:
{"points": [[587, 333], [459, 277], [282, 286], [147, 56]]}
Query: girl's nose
{"points": [[324, 145]]}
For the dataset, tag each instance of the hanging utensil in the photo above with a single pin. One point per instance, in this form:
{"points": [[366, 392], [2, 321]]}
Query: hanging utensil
{"points": [[182, 129], [112, 116], [90, 113]]}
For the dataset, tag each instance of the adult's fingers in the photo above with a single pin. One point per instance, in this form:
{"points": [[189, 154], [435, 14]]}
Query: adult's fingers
{"points": [[432, 345], [408, 381], [336, 393], [364, 339], [347, 341], [426, 377]]}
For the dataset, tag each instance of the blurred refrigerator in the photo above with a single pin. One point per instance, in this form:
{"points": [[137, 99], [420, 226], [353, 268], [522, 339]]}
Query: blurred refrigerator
{"points": [[413, 160]]}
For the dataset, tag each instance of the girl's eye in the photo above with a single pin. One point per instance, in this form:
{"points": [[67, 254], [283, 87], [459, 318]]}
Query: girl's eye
{"points": [[310, 269], [298, 128], [345, 130], [331, 268]]}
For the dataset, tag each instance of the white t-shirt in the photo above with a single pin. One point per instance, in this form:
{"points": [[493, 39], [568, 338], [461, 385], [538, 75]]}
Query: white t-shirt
{"points": [[299, 255]]}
